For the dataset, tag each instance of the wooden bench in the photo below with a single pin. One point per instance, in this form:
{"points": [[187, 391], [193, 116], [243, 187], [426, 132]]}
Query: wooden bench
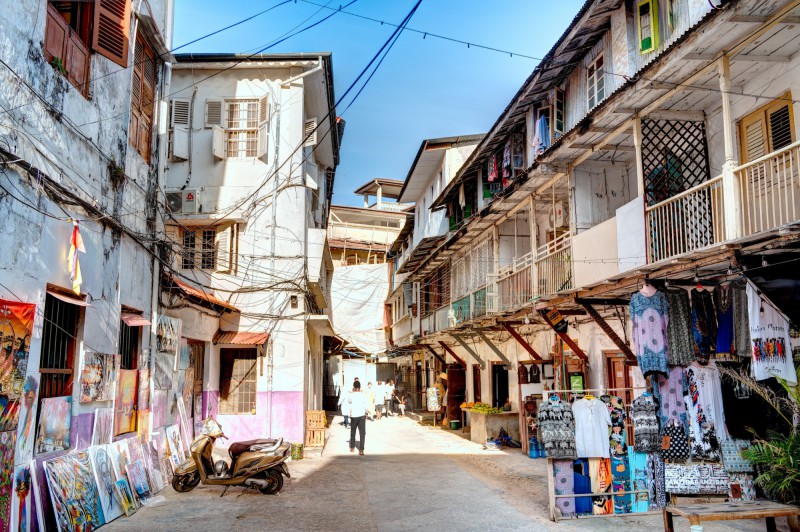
{"points": [[729, 511]]}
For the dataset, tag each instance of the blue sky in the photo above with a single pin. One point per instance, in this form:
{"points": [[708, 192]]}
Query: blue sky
{"points": [[425, 88]]}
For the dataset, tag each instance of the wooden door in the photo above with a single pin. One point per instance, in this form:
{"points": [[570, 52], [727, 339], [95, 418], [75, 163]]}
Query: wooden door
{"points": [[456, 390], [618, 375], [476, 383]]}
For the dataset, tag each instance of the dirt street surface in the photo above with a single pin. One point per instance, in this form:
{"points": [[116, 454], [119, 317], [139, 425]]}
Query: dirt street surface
{"points": [[411, 478]]}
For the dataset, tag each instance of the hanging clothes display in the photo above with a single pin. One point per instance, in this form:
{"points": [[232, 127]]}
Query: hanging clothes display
{"points": [[506, 166], [704, 325], [583, 484], [702, 437], [558, 428], [563, 476], [732, 458], [674, 441], [600, 476], [621, 481], [709, 385], [638, 469], [655, 481], [492, 173], [679, 329], [741, 486], [644, 414], [670, 392], [741, 319], [769, 337], [617, 439], [723, 302], [650, 319], [592, 421]]}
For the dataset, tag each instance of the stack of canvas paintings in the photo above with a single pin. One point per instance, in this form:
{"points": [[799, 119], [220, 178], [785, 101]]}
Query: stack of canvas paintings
{"points": [[8, 441], [105, 478], [73, 492]]}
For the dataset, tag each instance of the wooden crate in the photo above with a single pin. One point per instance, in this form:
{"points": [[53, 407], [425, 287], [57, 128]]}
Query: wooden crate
{"points": [[315, 437], [316, 419]]}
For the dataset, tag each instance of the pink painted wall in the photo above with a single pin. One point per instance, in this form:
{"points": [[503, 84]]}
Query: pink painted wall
{"points": [[287, 417]]}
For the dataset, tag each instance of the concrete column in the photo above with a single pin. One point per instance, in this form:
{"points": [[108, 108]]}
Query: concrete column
{"points": [[731, 192], [380, 196]]}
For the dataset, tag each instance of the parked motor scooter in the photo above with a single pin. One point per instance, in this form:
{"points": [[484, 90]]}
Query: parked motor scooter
{"points": [[259, 464]]}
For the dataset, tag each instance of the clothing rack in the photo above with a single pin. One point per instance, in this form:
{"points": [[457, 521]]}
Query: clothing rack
{"points": [[546, 393]]}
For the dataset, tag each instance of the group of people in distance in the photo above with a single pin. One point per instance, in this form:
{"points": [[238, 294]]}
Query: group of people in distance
{"points": [[373, 402]]}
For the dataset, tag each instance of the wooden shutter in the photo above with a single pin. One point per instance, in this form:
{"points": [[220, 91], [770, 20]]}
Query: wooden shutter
{"points": [[180, 144], [55, 36], [142, 97], [769, 128], [780, 124], [310, 132], [180, 112], [111, 30], [753, 137], [218, 142], [214, 115], [263, 141], [263, 110], [77, 63], [647, 12], [223, 244]]}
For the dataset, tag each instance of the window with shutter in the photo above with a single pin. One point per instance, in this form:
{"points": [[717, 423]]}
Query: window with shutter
{"points": [[767, 129], [647, 14], [112, 30], [210, 248], [596, 81], [180, 112], [214, 108], [310, 132], [66, 41], [223, 248], [560, 113], [143, 98]]}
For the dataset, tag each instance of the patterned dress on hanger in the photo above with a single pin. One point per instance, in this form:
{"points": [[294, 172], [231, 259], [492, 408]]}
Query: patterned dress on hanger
{"points": [[704, 325], [679, 328]]}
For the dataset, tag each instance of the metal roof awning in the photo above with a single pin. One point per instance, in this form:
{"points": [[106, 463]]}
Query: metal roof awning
{"points": [[240, 338], [134, 320], [321, 324], [204, 298], [70, 298], [420, 253]]}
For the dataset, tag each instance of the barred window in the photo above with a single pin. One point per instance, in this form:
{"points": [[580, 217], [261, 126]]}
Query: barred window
{"points": [[237, 381]]}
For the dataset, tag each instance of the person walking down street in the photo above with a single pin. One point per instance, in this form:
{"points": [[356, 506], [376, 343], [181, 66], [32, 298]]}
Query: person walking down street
{"points": [[358, 417], [390, 399], [370, 401], [379, 399], [344, 406]]}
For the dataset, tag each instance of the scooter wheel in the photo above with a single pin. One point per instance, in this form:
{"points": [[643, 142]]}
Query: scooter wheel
{"points": [[184, 483], [275, 482]]}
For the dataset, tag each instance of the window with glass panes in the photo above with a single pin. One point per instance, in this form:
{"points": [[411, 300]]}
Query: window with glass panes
{"points": [[237, 381], [596, 82], [242, 129]]}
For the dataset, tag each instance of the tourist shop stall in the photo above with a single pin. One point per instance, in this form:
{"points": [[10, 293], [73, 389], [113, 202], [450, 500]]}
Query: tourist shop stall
{"points": [[702, 349]]}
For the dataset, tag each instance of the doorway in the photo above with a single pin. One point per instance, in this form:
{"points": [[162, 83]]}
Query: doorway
{"points": [[476, 383], [618, 376], [499, 384]]}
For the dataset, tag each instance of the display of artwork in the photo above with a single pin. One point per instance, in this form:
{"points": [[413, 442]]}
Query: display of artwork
{"points": [[25, 430], [159, 408], [8, 441], [143, 424], [168, 335], [98, 376], [186, 427], [16, 328], [162, 371], [144, 389], [134, 451], [73, 492], [125, 405], [104, 476], [175, 445], [22, 504], [55, 420], [125, 496], [188, 389], [153, 466], [103, 426], [137, 478], [118, 453], [198, 407]]}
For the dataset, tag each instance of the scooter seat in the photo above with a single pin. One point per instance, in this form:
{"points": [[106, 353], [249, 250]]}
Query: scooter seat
{"points": [[240, 447]]}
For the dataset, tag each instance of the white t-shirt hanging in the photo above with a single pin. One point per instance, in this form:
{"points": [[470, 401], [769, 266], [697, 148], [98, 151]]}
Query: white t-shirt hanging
{"points": [[769, 340], [592, 422]]}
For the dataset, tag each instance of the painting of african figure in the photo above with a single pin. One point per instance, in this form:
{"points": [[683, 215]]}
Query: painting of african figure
{"points": [[104, 475]]}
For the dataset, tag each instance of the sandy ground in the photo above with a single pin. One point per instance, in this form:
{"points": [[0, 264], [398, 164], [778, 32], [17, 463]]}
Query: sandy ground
{"points": [[412, 477]]}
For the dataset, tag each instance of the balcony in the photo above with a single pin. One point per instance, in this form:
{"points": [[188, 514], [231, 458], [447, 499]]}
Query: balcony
{"points": [[553, 267], [513, 285], [438, 320], [401, 331], [768, 189], [347, 231]]}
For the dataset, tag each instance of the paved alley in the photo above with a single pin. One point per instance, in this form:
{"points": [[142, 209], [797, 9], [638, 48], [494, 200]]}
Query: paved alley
{"points": [[411, 478]]}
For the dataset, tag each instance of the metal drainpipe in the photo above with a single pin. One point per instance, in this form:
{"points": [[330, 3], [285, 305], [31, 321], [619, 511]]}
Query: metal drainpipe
{"points": [[271, 376]]}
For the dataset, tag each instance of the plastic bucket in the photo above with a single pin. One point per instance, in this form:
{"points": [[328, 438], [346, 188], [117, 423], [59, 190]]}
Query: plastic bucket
{"points": [[455, 424], [297, 451]]}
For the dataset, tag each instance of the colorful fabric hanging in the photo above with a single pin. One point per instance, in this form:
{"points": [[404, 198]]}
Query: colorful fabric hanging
{"points": [[73, 263]]}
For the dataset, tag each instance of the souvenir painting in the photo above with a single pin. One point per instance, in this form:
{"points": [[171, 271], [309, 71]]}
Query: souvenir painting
{"points": [[118, 453], [185, 425], [198, 406], [54, 424], [98, 376], [168, 333], [7, 445], [26, 431], [162, 371], [188, 390], [103, 426], [143, 401], [125, 407], [125, 495], [9, 412], [73, 492], [154, 472], [134, 451], [159, 409], [16, 328], [175, 445], [22, 509], [137, 478], [143, 425], [104, 476], [182, 361]]}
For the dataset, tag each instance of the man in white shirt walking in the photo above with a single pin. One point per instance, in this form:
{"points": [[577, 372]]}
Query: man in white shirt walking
{"points": [[344, 405], [358, 417]]}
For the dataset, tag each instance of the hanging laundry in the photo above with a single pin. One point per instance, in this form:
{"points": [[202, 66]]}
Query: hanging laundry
{"points": [[645, 423], [73, 262], [542, 138], [591, 427], [769, 337], [679, 329], [506, 167], [492, 173], [704, 325], [650, 318], [461, 197]]}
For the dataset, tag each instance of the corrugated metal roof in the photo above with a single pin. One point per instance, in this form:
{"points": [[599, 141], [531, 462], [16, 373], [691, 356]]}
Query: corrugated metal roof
{"points": [[240, 338], [191, 291]]}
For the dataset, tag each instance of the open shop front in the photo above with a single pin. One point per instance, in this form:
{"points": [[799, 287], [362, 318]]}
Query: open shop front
{"points": [[711, 363]]}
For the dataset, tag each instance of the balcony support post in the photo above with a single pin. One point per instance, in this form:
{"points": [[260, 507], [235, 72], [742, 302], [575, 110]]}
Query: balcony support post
{"points": [[495, 349], [453, 354], [436, 355], [468, 349], [521, 341], [564, 336], [630, 358], [637, 143], [731, 193]]}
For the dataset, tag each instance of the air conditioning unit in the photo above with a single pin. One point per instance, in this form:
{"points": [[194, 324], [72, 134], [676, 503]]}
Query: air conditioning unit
{"points": [[558, 216], [183, 201]]}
